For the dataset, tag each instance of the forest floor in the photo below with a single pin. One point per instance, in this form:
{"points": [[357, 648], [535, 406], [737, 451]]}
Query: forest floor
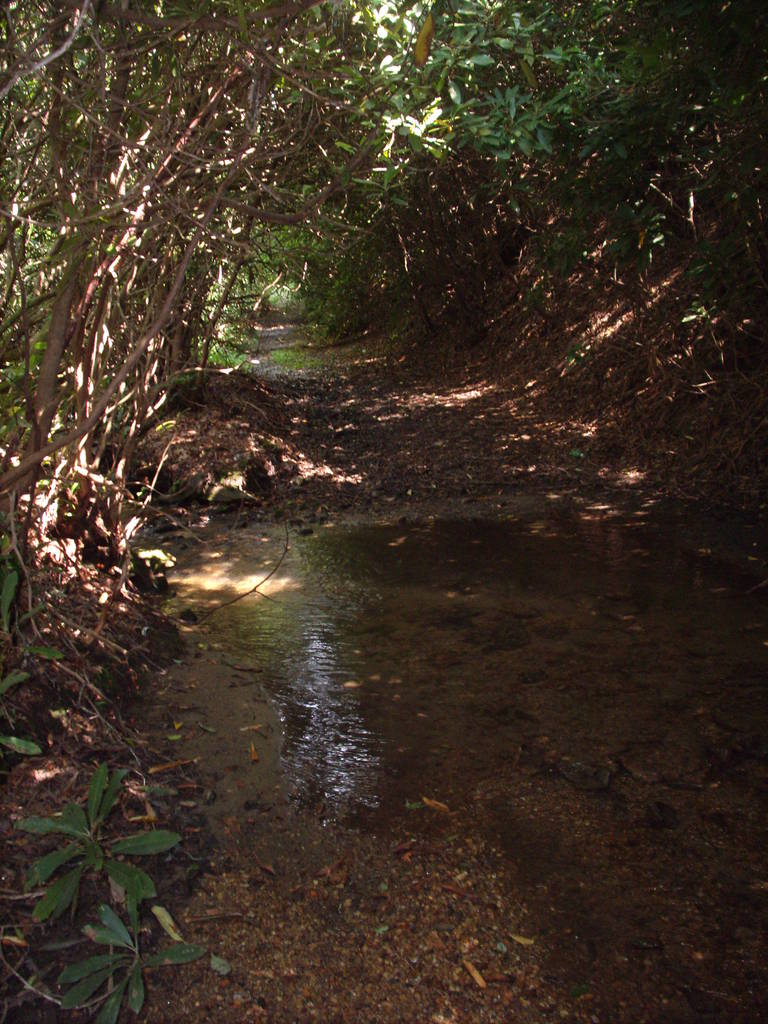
{"points": [[622, 897], [357, 431]]}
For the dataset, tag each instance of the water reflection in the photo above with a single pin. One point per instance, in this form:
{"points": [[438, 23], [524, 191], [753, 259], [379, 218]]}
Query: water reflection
{"points": [[423, 660], [334, 757]]}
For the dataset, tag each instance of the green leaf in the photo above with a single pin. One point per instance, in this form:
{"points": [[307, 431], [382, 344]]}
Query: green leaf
{"points": [[136, 882], [96, 791], [157, 841], [94, 855], [20, 746], [527, 70], [113, 924], [111, 1008], [59, 896], [73, 821], [454, 92], [482, 59], [132, 906], [46, 866], [135, 989], [103, 936], [12, 679], [83, 990], [543, 136], [49, 653], [84, 968], [180, 953], [10, 583], [111, 794], [39, 826]]}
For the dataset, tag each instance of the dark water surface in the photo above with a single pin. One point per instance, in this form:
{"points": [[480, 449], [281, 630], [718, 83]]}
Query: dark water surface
{"points": [[429, 657], [586, 693]]}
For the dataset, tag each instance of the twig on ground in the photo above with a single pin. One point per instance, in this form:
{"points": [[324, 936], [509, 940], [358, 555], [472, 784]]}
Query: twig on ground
{"points": [[26, 984], [254, 589]]}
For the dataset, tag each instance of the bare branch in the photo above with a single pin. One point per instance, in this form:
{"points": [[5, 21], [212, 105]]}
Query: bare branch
{"points": [[32, 69]]}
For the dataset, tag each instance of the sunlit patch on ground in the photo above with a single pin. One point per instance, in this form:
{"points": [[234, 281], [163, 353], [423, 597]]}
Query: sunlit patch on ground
{"points": [[454, 399]]}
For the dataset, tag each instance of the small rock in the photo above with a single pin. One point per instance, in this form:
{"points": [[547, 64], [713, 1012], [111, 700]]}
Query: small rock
{"points": [[220, 494]]}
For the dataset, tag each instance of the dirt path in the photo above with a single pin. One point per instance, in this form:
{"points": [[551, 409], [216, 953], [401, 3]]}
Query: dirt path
{"points": [[381, 434]]}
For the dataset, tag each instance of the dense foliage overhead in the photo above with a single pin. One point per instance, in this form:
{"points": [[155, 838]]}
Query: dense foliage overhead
{"points": [[164, 164]]}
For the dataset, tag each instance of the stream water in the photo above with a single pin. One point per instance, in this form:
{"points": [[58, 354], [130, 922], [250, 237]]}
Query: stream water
{"points": [[587, 693], [413, 658]]}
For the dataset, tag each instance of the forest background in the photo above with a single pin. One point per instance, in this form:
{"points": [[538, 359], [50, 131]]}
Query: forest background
{"points": [[580, 185], [573, 194]]}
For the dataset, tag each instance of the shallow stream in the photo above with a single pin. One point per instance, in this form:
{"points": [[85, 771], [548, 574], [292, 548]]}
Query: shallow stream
{"points": [[586, 693], [410, 660]]}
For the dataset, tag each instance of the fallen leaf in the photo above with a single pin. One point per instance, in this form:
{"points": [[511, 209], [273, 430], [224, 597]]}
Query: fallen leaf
{"points": [[254, 754], [404, 847], [352, 684], [220, 965], [436, 805], [458, 891], [499, 977], [476, 975], [267, 868], [177, 725], [168, 766], [167, 923], [424, 42], [251, 728], [521, 940]]}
